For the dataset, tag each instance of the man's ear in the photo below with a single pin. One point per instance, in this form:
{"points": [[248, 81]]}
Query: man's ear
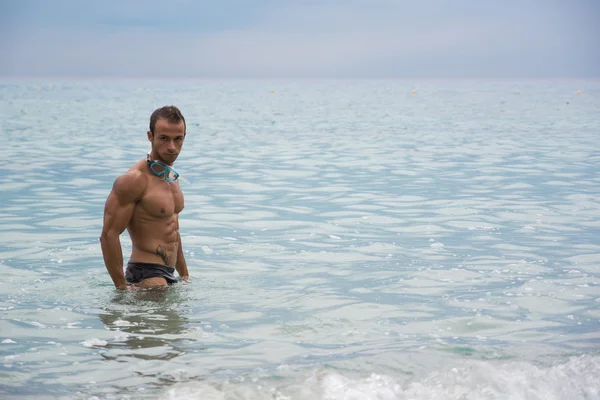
{"points": [[150, 136]]}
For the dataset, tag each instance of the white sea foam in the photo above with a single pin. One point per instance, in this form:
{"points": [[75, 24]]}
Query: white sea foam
{"points": [[207, 250], [121, 322], [94, 342], [571, 380]]}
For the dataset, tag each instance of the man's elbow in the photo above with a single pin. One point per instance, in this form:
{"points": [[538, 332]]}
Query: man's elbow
{"points": [[107, 237]]}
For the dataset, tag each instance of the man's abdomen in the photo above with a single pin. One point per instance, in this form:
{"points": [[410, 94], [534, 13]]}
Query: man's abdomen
{"points": [[157, 253], [155, 242]]}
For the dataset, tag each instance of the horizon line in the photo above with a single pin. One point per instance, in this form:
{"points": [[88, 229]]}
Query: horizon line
{"points": [[303, 78]]}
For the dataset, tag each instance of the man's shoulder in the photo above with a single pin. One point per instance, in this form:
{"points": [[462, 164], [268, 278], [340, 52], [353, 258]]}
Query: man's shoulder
{"points": [[130, 185]]}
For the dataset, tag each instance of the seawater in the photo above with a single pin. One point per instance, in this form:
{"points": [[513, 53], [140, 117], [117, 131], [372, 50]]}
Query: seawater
{"points": [[345, 239]]}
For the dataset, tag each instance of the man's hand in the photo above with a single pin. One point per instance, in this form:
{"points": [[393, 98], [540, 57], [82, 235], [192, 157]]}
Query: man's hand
{"points": [[126, 287]]}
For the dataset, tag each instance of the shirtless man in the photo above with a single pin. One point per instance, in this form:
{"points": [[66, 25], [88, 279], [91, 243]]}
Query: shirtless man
{"points": [[147, 201]]}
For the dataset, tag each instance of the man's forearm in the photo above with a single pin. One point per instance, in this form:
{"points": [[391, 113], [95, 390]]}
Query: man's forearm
{"points": [[182, 268], [113, 259], [181, 265]]}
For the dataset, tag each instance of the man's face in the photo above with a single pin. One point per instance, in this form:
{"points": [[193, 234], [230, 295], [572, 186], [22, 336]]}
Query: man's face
{"points": [[167, 141]]}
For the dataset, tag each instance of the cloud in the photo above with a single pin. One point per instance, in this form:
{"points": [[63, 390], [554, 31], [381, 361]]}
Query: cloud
{"points": [[304, 39]]}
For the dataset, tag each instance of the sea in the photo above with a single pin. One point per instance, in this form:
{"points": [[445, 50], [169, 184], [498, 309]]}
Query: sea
{"points": [[346, 239]]}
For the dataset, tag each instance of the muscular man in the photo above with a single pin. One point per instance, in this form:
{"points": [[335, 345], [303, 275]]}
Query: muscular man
{"points": [[147, 201]]}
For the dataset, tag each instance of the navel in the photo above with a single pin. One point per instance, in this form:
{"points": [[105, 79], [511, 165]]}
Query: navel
{"points": [[162, 210]]}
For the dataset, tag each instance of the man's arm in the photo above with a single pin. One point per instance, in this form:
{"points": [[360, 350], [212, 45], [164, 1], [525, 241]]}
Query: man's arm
{"points": [[181, 265], [121, 201]]}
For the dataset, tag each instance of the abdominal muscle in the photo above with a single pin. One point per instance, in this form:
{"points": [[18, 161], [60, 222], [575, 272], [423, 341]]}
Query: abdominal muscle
{"points": [[154, 239]]}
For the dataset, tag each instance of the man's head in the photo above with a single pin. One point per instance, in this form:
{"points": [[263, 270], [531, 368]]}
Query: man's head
{"points": [[167, 132]]}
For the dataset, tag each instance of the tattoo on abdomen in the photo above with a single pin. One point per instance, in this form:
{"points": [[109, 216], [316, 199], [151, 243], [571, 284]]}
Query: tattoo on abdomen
{"points": [[162, 252]]}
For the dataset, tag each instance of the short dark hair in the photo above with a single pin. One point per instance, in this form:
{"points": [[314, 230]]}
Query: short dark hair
{"points": [[170, 113]]}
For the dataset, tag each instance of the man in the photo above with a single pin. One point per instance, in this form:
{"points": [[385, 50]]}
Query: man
{"points": [[147, 201]]}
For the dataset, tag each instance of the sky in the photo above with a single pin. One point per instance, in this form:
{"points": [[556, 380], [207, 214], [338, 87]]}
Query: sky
{"points": [[304, 39]]}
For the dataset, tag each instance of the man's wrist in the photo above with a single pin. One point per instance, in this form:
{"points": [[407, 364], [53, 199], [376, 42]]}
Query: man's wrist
{"points": [[121, 285]]}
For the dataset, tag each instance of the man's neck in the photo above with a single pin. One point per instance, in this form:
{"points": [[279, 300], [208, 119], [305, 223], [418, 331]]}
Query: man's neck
{"points": [[154, 157]]}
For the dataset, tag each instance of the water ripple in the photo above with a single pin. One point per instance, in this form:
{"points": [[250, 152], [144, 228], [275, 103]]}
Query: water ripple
{"points": [[337, 224]]}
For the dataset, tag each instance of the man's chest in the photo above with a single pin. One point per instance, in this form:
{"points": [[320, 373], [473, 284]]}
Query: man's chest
{"points": [[163, 199]]}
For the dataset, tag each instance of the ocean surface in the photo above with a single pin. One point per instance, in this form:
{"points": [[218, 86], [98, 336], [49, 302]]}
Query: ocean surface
{"points": [[348, 240]]}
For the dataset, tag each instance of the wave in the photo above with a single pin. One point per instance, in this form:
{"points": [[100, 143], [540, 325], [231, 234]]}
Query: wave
{"points": [[576, 378]]}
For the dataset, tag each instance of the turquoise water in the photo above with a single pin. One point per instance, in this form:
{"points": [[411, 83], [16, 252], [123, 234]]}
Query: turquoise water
{"points": [[345, 239]]}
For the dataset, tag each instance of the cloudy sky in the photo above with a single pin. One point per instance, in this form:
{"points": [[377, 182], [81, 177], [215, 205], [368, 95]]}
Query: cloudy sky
{"points": [[294, 38]]}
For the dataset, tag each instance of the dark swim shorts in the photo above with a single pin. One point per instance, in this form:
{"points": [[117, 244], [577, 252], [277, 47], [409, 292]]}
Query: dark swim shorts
{"points": [[138, 271]]}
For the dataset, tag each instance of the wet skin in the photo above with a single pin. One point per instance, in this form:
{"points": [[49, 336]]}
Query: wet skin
{"points": [[148, 207]]}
